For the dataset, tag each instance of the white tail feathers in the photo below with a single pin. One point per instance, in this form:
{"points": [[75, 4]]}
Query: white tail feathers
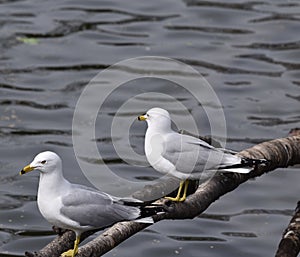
{"points": [[245, 166], [238, 170], [148, 220]]}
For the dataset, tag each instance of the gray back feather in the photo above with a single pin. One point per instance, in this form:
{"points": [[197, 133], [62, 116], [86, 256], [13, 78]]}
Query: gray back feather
{"points": [[189, 154], [96, 209]]}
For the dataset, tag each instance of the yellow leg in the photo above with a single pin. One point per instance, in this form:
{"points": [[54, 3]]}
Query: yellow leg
{"points": [[177, 198], [72, 252], [186, 185]]}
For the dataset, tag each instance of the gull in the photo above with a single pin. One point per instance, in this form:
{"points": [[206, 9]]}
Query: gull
{"points": [[184, 156], [80, 208]]}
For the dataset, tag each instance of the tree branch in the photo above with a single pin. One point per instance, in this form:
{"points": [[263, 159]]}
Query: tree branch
{"points": [[281, 153], [289, 245]]}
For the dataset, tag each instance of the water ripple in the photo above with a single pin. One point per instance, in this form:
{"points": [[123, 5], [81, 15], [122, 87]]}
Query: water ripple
{"points": [[246, 6], [293, 97], [122, 33], [209, 29], [18, 88], [273, 46], [30, 132], [273, 121], [197, 238], [8, 202], [119, 11], [66, 28], [230, 70], [227, 217], [34, 104], [239, 234], [275, 17], [75, 86]]}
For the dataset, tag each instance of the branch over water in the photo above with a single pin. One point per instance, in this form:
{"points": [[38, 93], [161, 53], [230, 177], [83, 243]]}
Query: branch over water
{"points": [[281, 153]]}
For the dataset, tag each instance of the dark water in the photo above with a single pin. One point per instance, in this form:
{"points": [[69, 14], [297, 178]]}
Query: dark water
{"points": [[247, 50]]}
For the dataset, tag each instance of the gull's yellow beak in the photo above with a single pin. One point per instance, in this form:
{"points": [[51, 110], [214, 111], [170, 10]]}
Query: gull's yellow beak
{"points": [[26, 169], [142, 117]]}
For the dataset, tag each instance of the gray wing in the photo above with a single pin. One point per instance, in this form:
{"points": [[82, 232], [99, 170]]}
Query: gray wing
{"points": [[96, 209], [189, 154]]}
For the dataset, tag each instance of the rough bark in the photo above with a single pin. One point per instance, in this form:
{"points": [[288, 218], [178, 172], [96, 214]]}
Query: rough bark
{"points": [[63, 242], [280, 152], [289, 245]]}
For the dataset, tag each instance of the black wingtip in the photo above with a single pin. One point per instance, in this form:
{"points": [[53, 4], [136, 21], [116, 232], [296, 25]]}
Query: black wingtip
{"points": [[254, 162], [263, 161], [248, 162], [147, 211]]}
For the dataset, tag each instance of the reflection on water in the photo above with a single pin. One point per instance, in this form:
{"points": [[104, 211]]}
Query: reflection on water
{"points": [[247, 50]]}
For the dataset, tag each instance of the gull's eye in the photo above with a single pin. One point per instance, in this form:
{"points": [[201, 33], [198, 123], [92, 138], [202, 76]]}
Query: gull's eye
{"points": [[43, 162]]}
